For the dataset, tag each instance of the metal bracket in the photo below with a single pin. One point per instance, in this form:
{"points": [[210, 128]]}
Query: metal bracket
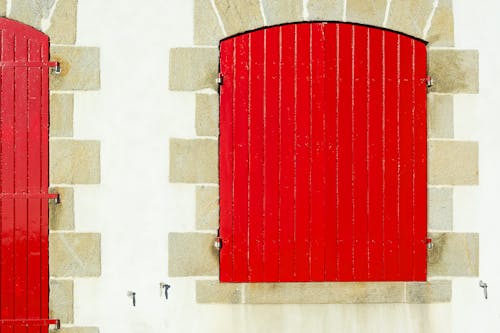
{"points": [[56, 67], [164, 287], [484, 285], [131, 294], [218, 243], [55, 197]]}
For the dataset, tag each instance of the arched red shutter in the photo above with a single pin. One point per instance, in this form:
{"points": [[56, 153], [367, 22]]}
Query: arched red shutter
{"points": [[24, 181], [323, 155]]}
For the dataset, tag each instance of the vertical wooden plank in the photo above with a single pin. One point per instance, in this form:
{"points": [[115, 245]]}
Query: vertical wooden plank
{"points": [[287, 163], [375, 139], [20, 178], [318, 156], [331, 122], [226, 159], [240, 128], [34, 182], [271, 153], [256, 155], [420, 168], [345, 230], [391, 158], [405, 143], [7, 182], [302, 148], [360, 152]]}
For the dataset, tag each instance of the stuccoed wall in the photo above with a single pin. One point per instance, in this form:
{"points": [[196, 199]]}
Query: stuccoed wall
{"points": [[149, 225]]}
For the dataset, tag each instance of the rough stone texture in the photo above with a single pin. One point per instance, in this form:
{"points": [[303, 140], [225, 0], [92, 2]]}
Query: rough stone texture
{"points": [[324, 293], [62, 215], [61, 115], [454, 71], [282, 11], [192, 254], [79, 68], [207, 207], [3, 7], [437, 291], [325, 10], [61, 300], [211, 291], [366, 12], [75, 162], [76, 330], [62, 28], [239, 15], [453, 162], [193, 161], [75, 254], [441, 32], [440, 116], [453, 254], [409, 16], [27, 11], [207, 30], [207, 114], [440, 205], [193, 68]]}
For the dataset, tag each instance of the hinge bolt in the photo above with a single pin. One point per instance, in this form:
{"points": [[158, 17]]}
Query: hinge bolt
{"points": [[218, 243], [219, 79], [429, 81]]}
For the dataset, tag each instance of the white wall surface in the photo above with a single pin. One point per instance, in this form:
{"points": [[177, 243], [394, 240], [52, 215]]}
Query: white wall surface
{"points": [[134, 115]]}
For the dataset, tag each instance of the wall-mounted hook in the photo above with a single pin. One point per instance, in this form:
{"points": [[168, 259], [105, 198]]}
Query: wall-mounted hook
{"points": [[132, 295], [485, 288], [164, 287]]}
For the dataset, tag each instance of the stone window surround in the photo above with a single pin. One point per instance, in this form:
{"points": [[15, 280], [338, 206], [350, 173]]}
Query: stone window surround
{"points": [[450, 162]]}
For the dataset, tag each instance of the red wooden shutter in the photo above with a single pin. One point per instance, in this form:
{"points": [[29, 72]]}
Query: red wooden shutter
{"points": [[24, 276], [323, 155]]}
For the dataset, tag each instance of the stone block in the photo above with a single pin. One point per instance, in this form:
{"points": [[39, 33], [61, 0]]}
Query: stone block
{"points": [[436, 291], [325, 293], [328, 10], [207, 30], [207, 114], [440, 116], [452, 162], [366, 12], [62, 26], [61, 115], [282, 11], [192, 254], [75, 162], [211, 291], [62, 215], [441, 32], [193, 68], [29, 12], [61, 300], [207, 207], [239, 15], [409, 16], [453, 254], [194, 161], [80, 68], [76, 330], [440, 208], [3, 8], [454, 71], [75, 254]]}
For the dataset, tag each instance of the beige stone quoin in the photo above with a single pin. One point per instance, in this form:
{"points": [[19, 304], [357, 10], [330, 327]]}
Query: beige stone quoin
{"points": [[450, 162]]}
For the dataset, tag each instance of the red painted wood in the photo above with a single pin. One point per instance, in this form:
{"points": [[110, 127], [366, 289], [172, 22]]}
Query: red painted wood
{"points": [[322, 155], [24, 119]]}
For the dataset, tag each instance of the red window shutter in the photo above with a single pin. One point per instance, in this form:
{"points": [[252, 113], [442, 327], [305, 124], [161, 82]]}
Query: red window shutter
{"points": [[322, 155], [24, 119]]}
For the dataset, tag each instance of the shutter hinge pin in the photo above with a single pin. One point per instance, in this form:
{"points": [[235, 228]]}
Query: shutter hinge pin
{"points": [[428, 241], [218, 243], [429, 81], [220, 79]]}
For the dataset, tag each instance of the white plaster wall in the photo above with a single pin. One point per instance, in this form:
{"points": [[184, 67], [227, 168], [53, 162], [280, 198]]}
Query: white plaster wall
{"points": [[135, 207]]}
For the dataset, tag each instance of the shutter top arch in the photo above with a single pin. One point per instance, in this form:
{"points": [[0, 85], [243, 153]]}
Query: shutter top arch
{"points": [[322, 159]]}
